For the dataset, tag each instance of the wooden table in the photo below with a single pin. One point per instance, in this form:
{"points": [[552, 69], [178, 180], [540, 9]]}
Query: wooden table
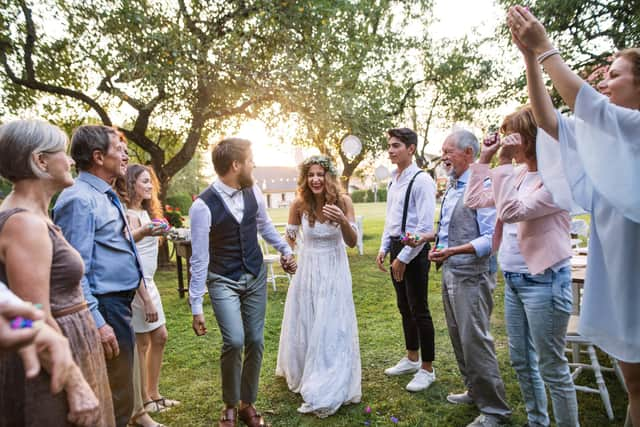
{"points": [[183, 250]]}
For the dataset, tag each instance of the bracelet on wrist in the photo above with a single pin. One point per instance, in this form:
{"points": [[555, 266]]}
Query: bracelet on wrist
{"points": [[545, 55]]}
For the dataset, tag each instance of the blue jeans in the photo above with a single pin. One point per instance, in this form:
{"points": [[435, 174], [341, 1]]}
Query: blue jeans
{"points": [[537, 310]]}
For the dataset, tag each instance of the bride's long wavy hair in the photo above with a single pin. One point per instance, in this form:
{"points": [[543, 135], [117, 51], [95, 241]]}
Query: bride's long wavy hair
{"points": [[332, 193]]}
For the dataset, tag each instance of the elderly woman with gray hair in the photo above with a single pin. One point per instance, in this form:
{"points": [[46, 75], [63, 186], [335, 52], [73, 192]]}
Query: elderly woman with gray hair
{"points": [[40, 266]]}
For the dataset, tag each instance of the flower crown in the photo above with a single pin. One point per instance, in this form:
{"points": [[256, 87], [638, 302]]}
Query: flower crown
{"points": [[323, 161]]}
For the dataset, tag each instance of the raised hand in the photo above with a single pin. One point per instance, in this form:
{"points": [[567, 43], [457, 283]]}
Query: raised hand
{"points": [[528, 33], [511, 145], [489, 149]]}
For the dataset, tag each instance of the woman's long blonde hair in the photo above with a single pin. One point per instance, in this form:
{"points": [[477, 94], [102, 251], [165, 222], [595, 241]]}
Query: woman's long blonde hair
{"points": [[332, 193]]}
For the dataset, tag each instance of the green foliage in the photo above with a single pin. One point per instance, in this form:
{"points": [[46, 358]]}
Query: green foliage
{"points": [[189, 180], [368, 196], [173, 214], [345, 72], [180, 201], [5, 187], [587, 31], [455, 87]]}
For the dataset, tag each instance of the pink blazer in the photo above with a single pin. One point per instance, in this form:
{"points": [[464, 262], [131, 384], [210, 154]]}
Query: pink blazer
{"points": [[543, 228]]}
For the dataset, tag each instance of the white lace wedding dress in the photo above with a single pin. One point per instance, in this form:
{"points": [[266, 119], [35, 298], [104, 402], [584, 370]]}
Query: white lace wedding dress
{"points": [[319, 353]]}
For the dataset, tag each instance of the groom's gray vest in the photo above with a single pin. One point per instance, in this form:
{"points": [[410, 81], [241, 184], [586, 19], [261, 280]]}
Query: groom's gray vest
{"points": [[463, 228], [233, 246]]}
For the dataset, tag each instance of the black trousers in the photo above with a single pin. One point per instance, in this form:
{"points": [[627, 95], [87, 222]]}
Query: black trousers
{"points": [[413, 303]]}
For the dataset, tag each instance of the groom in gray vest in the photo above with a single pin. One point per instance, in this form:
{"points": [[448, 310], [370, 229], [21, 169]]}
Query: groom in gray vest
{"points": [[463, 248], [225, 221]]}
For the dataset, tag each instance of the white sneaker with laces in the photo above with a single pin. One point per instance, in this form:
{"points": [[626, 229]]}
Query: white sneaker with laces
{"points": [[404, 366], [484, 420], [421, 380], [460, 399]]}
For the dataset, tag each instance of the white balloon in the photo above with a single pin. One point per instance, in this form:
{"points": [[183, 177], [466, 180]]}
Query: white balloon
{"points": [[351, 146], [381, 173]]}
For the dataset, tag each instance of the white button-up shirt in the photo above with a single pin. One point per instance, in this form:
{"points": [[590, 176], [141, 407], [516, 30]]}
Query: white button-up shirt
{"points": [[422, 206]]}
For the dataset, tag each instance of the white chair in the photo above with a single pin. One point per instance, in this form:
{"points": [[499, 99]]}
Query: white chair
{"points": [[576, 343], [269, 260], [579, 230], [360, 233]]}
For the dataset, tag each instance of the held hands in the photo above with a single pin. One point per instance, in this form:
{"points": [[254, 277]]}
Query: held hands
{"points": [[288, 264], [109, 341], [198, 324]]}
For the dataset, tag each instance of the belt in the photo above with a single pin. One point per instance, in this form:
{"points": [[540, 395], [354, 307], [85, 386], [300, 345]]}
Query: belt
{"points": [[70, 310]]}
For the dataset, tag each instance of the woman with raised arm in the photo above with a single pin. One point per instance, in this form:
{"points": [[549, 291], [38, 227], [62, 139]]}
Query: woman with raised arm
{"points": [[319, 352], [596, 166], [40, 266]]}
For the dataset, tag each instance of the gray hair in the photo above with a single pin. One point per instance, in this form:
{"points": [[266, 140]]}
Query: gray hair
{"points": [[465, 139], [20, 140]]}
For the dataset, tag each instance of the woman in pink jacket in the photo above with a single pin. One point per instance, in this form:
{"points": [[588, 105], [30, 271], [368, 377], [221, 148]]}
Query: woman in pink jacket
{"points": [[533, 235]]}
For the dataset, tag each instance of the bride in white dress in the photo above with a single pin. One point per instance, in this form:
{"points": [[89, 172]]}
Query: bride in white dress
{"points": [[319, 353]]}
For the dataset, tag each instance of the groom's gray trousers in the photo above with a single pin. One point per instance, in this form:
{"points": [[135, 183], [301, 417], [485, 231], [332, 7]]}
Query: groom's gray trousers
{"points": [[240, 308]]}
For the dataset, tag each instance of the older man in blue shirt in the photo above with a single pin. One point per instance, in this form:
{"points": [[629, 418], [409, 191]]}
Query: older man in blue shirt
{"points": [[92, 220], [463, 248]]}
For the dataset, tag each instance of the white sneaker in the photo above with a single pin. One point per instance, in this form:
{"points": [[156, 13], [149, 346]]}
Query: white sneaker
{"points": [[484, 420], [404, 366], [421, 380], [460, 399]]}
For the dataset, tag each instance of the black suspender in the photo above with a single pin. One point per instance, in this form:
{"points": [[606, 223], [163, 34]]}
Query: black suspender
{"points": [[406, 201]]}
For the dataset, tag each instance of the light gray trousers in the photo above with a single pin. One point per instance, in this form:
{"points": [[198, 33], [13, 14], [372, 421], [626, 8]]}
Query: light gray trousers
{"points": [[240, 308], [468, 302]]}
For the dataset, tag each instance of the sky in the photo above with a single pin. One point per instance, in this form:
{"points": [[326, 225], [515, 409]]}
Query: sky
{"points": [[455, 18]]}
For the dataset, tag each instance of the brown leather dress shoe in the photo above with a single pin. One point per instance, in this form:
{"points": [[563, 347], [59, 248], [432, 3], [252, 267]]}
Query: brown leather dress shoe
{"points": [[228, 418], [251, 417]]}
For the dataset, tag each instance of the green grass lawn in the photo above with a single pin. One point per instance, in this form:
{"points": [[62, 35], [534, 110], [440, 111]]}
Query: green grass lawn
{"points": [[191, 370]]}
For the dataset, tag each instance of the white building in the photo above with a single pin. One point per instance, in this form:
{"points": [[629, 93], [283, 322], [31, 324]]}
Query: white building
{"points": [[278, 184]]}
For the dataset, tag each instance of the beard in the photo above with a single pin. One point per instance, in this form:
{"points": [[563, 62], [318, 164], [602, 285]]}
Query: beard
{"points": [[245, 179]]}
